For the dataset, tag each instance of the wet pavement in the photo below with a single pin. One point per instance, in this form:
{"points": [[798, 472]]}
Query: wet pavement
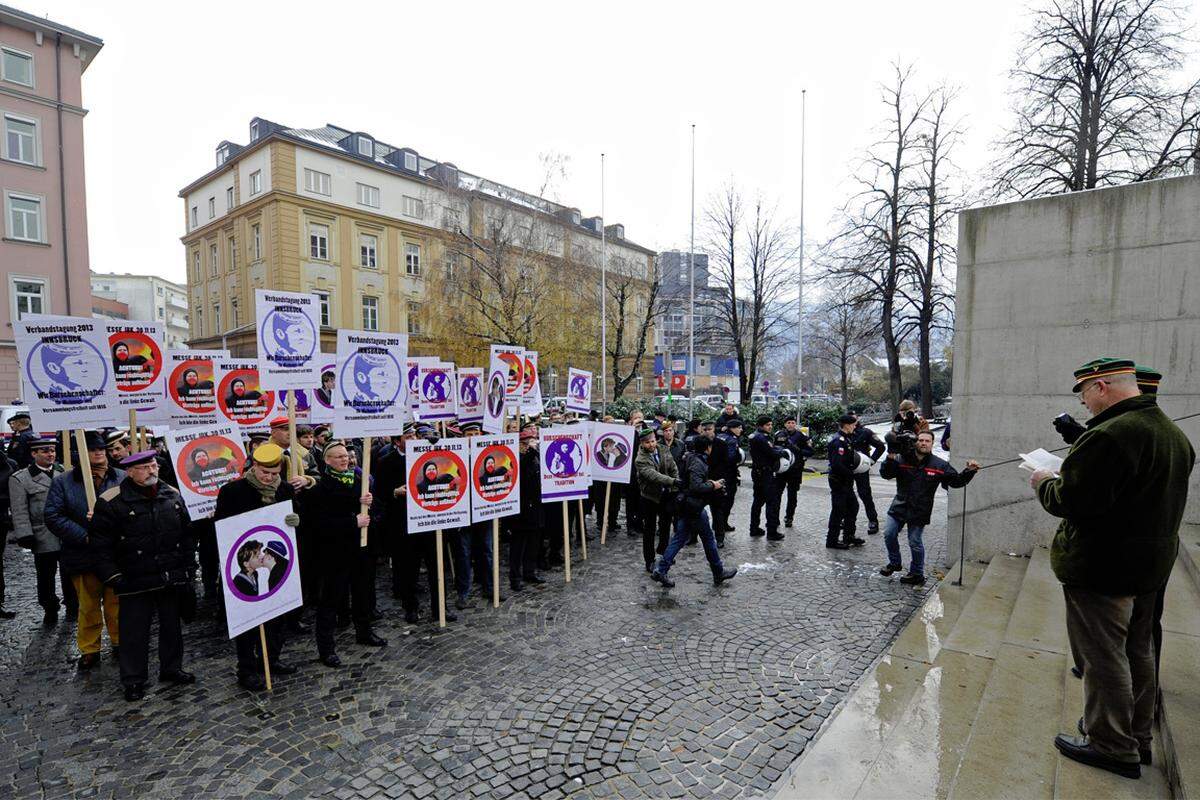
{"points": [[607, 687]]}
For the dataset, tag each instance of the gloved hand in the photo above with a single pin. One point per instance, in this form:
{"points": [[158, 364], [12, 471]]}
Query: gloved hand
{"points": [[1068, 428], [292, 519]]}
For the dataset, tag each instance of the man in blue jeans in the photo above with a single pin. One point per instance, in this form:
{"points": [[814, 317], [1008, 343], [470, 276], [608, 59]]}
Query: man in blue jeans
{"points": [[698, 491], [918, 476]]}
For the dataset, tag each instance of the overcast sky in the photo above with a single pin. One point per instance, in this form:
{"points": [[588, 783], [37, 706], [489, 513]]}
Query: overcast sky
{"points": [[490, 86]]}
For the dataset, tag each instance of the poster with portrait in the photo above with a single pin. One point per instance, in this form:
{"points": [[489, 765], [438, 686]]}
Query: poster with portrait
{"points": [[369, 388], [531, 386], [495, 392], [435, 390], [289, 339], [495, 483], [241, 398], [566, 473], [579, 391], [470, 394], [320, 407], [437, 484], [204, 461], [613, 450], [260, 566], [137, 362], [304, 404], [513, 359], [66, 372]]}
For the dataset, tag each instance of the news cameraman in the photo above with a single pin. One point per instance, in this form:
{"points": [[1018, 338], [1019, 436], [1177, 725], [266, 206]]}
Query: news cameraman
{"points": [[918, 475]]}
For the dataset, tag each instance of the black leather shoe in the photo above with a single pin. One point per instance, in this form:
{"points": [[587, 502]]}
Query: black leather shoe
{"points": [[724, 575], [534, 579], [787, 523], [913, 580], [872, 528], [412, 617], [88, 660], [854, 541], [1077, 672], [135, 692], [462, 603], [284, 668], [658, 577], [649, 566], [50, 618], [179, 678], [1145, 756], [775, 537], [331, 660], [1081, 750], [837, 546], [253, 683], [757, 532], [730, 529], [890, 569], [515, 586], [371, 639]]}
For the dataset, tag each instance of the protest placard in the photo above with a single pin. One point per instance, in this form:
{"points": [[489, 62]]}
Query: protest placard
{"points": [[191, 387], [204, 461], [369, 391], [66, 369], [513, 359], [437, 484], [260, 566], [579, 391], [321, 399], [496, 391], [565, 464], [495, 486], [138, 361], [289, 343], [436, 390], [470, 394], [531, 394], [613, 451], [241, 399]]}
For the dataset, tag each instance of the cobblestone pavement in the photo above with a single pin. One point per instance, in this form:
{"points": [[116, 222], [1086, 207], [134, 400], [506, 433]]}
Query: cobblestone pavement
{"points": [[607, 687]]}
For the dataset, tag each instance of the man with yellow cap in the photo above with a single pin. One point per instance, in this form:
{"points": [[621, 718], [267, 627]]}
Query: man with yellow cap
{"points": [[261, 485], [1120, 493]]}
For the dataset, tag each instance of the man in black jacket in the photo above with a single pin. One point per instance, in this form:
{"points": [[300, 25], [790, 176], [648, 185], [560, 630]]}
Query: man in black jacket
{"points": [[864, 440], [917, 482], [723, 463], [796, 441], [525, 529], [697, 493], [140, 535], [843, 512], [768, 488], [22, 437]]}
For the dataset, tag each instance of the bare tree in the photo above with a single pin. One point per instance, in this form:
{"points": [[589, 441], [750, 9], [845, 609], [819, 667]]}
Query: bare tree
{"points": [[1094, 101], [633, 305], [845, 330]]}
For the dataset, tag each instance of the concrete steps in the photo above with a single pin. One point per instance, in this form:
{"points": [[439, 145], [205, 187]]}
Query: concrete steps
{"points": [[967, 701]]}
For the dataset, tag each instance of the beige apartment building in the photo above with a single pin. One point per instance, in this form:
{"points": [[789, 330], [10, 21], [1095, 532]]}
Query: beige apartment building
{"points": [[394, 241], [43, 215]]}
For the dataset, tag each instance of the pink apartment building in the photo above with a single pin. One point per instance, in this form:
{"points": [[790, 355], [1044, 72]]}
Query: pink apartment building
{"points": [[43, 215]]}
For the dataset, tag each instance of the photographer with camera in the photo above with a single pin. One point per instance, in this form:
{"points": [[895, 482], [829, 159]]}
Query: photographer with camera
{"points": [[843, 512], [918, 475], [868, 444]]}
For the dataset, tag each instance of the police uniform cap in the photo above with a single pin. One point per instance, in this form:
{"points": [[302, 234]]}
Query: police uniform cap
{"points": [[735, 423], [790, 418], [763, 420], [1102, 368], [19, 415], [43, 441], [470, 427], [115, 437], [1147, 379], [258, 436], [847, 419], [138, 458], [268, 455]]}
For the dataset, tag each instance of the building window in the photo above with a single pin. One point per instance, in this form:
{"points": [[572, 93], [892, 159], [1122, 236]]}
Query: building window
{"points": [[216, 318], [316, 182], [367, 245], [318, 242], [195, 216], [212, 207], [254, 131], [370, 313], [451, 265], [16, 66], [410, 162], [20, 139], [451, 219], [256, 241], [414, 318], [158, 291], [196, 265], [160, 312], [229, 197], [199, 322], [412, 259], [366, 148], [413, 208], [212, 261], [638, 382], [25, 218], [368, 195], [323, 299], [30, 296], [233, 313], [255, 182], [232, 254]]}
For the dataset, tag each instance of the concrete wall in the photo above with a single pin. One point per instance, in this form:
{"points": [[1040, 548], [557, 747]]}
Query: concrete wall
{"points": [[1044, 285]]}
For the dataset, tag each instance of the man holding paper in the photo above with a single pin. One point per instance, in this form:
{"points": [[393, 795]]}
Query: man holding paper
{"points": [[1121, 494]]}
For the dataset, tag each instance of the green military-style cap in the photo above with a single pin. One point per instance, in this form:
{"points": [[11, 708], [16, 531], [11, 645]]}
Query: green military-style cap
{"points": [[1147, 379], [1102, 368]]}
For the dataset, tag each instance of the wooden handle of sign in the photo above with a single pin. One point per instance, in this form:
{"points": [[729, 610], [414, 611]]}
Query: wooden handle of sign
{"points": [[135, 442], [68, 465], [294, 449], [262, 638], [366, 486], [441, 579], [604, 517], [566, 543], [85, 468], [496, 563], [582, 531]]}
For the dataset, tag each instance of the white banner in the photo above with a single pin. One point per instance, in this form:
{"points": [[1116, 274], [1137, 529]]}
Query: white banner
{"points": [[436, 391], [369, 395], [289, 339], [579, 391], [613, 450], [204, 461], [241, 399], [437, 484], [495, 482], [191, 387], [138, 361], [531, 393], [66, 369], [496, 392], [470, 394], [260, 566], [565, 471]]}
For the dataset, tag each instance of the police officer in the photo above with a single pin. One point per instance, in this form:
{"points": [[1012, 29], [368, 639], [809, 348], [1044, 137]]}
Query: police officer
{"points": [[768, 488], [866, 442], [843, 505], [140, 535], [22, 437], [800, 446], [723, 464]]}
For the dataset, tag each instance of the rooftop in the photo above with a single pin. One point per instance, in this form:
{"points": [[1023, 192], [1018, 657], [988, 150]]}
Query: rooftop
{"points": [[29, 22]]}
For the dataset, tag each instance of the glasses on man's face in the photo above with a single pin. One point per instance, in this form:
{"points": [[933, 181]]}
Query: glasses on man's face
{"points": [[1084, 391]]}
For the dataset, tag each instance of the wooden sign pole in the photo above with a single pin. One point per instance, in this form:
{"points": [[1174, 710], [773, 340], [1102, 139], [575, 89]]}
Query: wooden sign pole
{"points": [[262, 638], [68, 464], [294, 447], [582, 531], [85, 468], [366, 487], [604, 519], [496, 562], [135, 442], [566, 543], [441, 579]]}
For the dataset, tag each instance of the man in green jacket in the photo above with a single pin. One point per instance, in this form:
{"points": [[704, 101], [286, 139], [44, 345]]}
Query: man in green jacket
{"points": [[1121, 495]]}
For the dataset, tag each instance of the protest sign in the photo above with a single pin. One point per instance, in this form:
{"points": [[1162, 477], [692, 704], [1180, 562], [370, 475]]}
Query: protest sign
{"points": [[204, 461], [531, 394], [288, 338], [260, 566], [321, 399], [368, 397], [191, 387], [436, 390], [138, 361], [579, 391], [66, 370], [565, 470], [240, 396], [304, 404], [496, 388], [613, 451], [495, 486], [513, 359], [437, 484], [470, 394]]}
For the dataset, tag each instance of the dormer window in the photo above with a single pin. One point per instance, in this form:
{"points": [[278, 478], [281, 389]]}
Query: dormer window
{"points": [[576, 218], [366, 147], [222, 155], [410, 162], [254, 131]]}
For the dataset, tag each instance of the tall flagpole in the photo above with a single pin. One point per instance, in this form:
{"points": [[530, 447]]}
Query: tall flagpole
{"points": [[691, 369], [800, 282], [603, 297]]}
